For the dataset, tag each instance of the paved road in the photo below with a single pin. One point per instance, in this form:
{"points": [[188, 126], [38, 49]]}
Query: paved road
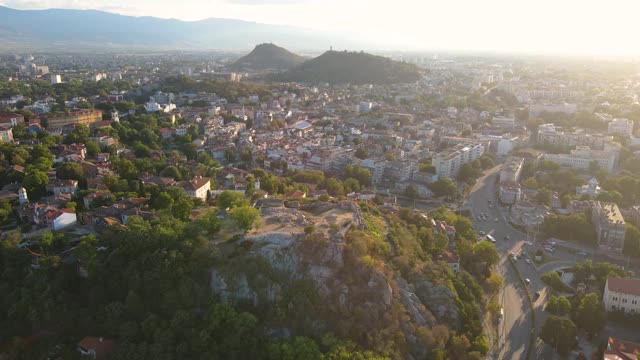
{"points": [[515, 328], [516, 325]]}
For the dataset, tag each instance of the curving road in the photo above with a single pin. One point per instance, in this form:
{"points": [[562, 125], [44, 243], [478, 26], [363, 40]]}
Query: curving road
{"points": [[515, 328]]}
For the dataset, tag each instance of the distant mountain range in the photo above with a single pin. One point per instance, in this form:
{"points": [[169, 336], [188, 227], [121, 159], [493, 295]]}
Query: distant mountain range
{"points": [[268, 57], [58, 29], [338, 67]]}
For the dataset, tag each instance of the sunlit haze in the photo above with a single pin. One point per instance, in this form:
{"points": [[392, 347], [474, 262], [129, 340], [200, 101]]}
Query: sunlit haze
{"points": [[547, 26]]}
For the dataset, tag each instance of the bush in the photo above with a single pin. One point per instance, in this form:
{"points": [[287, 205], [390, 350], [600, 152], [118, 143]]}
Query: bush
{"points": [[553, 279]]}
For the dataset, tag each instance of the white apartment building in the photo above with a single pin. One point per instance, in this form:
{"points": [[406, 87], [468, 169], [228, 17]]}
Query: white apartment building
{"points": [[505, 122], [507, 144], [537, 109], [548, 134], [448, 162], [582, 156], [510, 193], [621, 126], [609, 225], [511, 170], [622, 295], [56, 79]]}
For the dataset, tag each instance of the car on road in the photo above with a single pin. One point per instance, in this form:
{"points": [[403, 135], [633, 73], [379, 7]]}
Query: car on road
{"points": [[527, 261], [508, 237], [527, 281], [496, 220], [536, 296], [548, 249], [582, 253]]}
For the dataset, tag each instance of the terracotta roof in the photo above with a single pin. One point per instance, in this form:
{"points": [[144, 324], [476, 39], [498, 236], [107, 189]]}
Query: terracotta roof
{"points": [[100, 345], [450, 257], [621, 350], [626, 286]]}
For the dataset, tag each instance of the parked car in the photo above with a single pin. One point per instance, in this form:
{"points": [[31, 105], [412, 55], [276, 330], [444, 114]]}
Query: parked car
{"points": [[527, 281], [527, 261], [582, 253]]}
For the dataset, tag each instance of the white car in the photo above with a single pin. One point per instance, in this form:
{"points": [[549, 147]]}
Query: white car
{"points": [[527, 261]]}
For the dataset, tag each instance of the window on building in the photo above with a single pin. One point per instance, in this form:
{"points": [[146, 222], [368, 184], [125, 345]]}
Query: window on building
{"points": [[634, 302], [624, 301], [615, 298]]}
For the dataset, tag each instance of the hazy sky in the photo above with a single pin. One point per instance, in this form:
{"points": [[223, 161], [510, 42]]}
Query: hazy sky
{"points": [[565, 26]]}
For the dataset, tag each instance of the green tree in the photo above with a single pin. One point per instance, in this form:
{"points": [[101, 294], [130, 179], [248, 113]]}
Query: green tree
{"points": [[244, 216], [70, 171], [229, 199], [552, 305], [590, 314], [443, 187], [544, 196], [334, 187], [362, 153], [559, 333], [92, 148], [631, 241], [79, 135], [35, 182], [411, 192], [564, 305], [181, 209], [5, 210]]}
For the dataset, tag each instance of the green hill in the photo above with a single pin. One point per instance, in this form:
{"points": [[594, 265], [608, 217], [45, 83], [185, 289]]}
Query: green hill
{"points": [[352, 67], [268, 57]]}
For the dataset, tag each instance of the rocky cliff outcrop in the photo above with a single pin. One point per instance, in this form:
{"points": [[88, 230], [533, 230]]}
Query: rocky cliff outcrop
{"points": [[312, 281]]}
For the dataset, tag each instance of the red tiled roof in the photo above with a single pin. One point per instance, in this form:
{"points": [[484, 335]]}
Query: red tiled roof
{"points": [[100, 345], [626, 286], [620, 349]]}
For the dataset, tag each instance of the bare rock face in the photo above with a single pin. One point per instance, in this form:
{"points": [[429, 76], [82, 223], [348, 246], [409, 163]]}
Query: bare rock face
{"points": [[440, 300], [313, 274]]}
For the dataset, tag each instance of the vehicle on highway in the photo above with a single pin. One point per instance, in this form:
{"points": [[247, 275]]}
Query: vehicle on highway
{"points": [[508, 237], [501, 313], [527, 281], [491, 238], [496, 220], [582, 253], [536, 296], [527, 261]]}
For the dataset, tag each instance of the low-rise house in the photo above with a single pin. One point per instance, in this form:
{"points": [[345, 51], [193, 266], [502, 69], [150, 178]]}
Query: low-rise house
{"points": [[622, 295], [6, 134], [65, 187], [56, 219], [452, 260], [197, 187]]}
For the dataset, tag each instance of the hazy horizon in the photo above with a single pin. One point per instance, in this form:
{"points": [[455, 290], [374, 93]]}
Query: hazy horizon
{"points": [[543, 27]]}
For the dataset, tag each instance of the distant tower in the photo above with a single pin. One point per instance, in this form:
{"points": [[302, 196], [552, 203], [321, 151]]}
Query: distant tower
{"points": [[22, 196]]}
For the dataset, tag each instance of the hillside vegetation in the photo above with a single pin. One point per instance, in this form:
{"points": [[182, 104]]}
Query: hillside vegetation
{"points": [[352, 67], [268, 57]]}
